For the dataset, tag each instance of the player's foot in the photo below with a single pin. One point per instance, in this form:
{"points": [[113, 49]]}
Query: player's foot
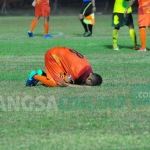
{"points": [[115, 48], [30, 34], [47, 36], [142, 50], [38, 72], [136, 48], [87, 34], [30, 81]]}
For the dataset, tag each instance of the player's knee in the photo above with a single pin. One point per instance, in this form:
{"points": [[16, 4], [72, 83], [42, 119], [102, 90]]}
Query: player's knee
{"points": [[131, 27], [80, 16], [46, 18], [117, 28]]}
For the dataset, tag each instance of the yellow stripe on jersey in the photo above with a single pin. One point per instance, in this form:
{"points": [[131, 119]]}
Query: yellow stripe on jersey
{"points": [[120, 6]]}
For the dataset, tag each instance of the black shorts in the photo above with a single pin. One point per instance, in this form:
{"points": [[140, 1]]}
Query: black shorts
{"points": [[118, 20], [86, 8]]}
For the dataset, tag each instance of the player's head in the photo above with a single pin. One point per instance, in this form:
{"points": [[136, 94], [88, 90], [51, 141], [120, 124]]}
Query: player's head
{"points": [[94, 80]]}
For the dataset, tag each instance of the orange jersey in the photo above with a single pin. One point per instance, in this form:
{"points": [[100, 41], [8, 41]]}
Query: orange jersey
{"points": [[42, 8], [61, 61], [144, 7]]}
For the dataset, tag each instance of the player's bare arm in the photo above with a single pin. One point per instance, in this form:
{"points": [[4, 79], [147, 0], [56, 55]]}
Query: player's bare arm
{"points": [[93, 5], [130, 4], [64, 84]]}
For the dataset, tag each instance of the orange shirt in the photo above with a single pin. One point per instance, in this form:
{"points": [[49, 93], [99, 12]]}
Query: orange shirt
{"points": [[144, 7], [62, 60]]}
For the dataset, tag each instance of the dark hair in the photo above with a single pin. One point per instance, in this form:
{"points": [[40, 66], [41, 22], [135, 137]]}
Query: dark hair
{"points": [[96, 79]]}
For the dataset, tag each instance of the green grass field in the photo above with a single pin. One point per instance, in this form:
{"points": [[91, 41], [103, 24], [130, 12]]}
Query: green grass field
{"points": [[114, 116]]}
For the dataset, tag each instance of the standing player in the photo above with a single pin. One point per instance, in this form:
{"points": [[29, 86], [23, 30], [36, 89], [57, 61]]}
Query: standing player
{"points": [[118, 20], [87, 9], [42, 8], [143, 20], [65, 67]]}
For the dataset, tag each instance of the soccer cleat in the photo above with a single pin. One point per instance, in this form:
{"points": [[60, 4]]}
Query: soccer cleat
{"points": [[115, 48], [31, 81], [136, 48], [30, 34], [38, 72], [47, 36], [142, 50], [87, 34]]}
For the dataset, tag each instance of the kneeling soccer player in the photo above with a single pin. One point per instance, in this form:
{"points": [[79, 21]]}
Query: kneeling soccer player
{"points": [[65, 67]]}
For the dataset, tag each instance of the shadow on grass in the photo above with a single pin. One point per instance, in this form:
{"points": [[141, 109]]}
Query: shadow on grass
{"points": [[39, 35], [78, 35], [120, 47], [123, 47]]}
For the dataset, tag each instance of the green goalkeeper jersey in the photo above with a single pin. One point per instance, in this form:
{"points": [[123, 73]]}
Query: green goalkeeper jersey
{"points": [[120, 6]]}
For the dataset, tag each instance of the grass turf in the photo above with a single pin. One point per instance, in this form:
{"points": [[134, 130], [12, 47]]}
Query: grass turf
{"points": [[112, 116]]}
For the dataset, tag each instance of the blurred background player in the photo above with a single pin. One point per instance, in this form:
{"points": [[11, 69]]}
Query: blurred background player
{"points": [[65, 67], [42, 8], [143, 20], [87, 9], [118, 20]]}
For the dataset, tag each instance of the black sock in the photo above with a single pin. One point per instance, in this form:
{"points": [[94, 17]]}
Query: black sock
{"points": [[90, 27], [84, 25], [43, 73]]}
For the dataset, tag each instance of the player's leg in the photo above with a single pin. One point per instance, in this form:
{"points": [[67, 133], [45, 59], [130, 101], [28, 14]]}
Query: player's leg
{"points": [[46, 13], [31, 81], [87, 13], [82, 15], [117, 23], [44, 80], [32, 26], [35, 20], [46, 25], [143, 21], [133, 37], [39, 75], [129, 22], [34, 23], [81, 18], [90, 26], [115, 38], [142, 38], [46, 28]]}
